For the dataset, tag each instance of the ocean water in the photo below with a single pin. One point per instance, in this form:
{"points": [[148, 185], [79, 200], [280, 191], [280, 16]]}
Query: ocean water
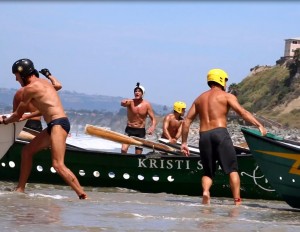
{"points": [[56, 208]]}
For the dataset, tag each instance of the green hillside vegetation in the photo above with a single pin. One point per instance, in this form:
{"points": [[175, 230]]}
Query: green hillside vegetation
{"points": [[268, 92]]}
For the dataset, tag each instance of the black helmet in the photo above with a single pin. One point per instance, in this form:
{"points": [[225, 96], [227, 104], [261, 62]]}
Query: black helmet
{"points": [[23, 66]]}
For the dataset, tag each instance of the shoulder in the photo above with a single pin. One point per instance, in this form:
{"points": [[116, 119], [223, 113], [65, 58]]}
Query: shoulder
{"points": [[230, 96], [35, 86], [19, 91], [18, 94], [169, 116], [146, 103]]}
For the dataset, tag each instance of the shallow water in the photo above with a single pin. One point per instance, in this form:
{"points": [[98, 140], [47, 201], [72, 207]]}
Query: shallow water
{"points": [[56, 208], [51, 208]]}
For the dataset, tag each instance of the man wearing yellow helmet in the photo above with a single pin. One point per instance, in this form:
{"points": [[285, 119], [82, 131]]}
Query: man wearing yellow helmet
{"points": [[172, 123], [215, 143], [137, 111]]}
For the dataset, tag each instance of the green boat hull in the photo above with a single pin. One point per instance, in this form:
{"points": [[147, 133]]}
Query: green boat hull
{"points": [[280, 163], [152, 173]]}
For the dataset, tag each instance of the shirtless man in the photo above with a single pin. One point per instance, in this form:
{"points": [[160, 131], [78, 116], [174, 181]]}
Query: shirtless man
{"points": [[215, 143], [137, 111], [172, 123], [33, 122], [45, 99]]}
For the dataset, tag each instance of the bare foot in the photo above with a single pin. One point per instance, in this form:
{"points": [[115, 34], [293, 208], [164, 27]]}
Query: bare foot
{"points": [[83, 196], [20, 190], [206, 198], [237, 201]]}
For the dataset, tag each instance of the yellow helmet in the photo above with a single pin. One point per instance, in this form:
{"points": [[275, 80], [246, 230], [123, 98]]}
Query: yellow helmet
{"points": [[178, 106], [217, 75]]}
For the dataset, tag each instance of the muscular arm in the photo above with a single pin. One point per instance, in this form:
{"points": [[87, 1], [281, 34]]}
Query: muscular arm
{"points": [[186, 127], [34, 114], [166, 126], [17, 99], [126, 102], [246, 115], [17, 114], [56, 84], [179, 132], [152, 118]]}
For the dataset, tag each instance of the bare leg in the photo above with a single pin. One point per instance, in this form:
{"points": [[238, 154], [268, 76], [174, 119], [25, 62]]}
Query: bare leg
{"points": [[206, 184], [234, 180], [38, 143], [58, 147], [138, 151], [124, 148]]}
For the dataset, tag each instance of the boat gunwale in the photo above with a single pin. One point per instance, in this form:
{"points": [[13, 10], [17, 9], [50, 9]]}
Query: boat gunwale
{"points": [[270, 140]]}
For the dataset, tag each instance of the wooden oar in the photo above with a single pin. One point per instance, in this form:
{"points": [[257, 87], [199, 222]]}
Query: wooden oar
{"points": [[157, 146], [177, 145], [121, 138], [110, 135]]}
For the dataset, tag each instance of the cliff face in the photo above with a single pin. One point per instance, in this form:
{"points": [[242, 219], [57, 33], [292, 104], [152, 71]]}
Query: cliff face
{"points": [[273, 92]]}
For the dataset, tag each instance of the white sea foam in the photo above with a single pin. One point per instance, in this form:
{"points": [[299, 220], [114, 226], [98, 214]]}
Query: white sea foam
{"points": [[91, 142], [46, 196]]}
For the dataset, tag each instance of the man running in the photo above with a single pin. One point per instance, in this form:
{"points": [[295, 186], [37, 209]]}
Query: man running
{"points": [[215, 143], [44, 97]]}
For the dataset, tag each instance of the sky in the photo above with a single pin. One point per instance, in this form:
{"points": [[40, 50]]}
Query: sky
{"points": [[106, 47]]}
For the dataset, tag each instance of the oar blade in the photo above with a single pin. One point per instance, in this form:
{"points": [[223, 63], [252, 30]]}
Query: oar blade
{"points": [[110, 135]]}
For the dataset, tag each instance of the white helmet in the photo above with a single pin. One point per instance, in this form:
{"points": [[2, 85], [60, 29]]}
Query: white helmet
{"points": [[138, 86]]}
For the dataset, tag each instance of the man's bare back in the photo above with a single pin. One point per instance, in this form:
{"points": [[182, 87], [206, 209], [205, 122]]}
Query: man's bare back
{"points": [[212, 107]]}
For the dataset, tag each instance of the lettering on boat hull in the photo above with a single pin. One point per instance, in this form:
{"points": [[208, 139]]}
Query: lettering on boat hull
{"points": [[167, 164]]}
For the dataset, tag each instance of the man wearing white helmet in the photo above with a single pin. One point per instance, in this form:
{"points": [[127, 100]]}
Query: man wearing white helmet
{"points": [[172, 123], [137, 111], [215, 143]]}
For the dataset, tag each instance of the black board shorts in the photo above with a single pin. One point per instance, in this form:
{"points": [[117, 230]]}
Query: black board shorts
{"points": [[137, 132], [216, 145], [34, 125]]}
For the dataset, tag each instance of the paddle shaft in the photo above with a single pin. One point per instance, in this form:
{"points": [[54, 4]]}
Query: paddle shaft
{"points": [[110, 135], [124, 139], [160, 147]]}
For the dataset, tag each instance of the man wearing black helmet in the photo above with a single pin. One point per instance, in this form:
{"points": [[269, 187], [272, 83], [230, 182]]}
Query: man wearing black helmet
{"points": [[215, 143], [44, 97], [34, 122], [137, 111]]}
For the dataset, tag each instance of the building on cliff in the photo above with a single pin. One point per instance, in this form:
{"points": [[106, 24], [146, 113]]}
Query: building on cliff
{"points": [[290, 46]]}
